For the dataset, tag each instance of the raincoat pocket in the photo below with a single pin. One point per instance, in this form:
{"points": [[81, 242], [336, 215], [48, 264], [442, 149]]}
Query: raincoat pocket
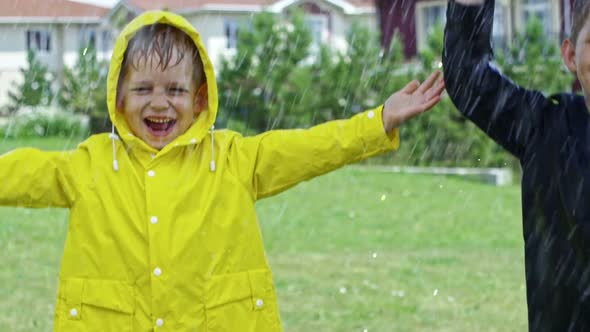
{"points": [[243, 302], [87, 305]]}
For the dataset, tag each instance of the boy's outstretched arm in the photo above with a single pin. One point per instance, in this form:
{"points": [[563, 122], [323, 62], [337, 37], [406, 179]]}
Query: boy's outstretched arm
{"points": [[34, 178], [504, 110], [277, 160]]}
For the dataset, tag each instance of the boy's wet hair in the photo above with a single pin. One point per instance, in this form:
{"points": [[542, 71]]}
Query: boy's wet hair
{"points": [[581, 10], [155, 44]]}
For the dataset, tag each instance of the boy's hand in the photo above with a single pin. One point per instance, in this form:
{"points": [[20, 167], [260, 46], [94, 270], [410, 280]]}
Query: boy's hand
{"points": [[412, 100]]}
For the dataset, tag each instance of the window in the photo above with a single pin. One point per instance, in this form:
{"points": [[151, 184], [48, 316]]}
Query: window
{"points": [[106, 41], [540, 9], [39, 40], [231, 34], [499, 37], [317, 25], [433, 16], [428, 16], [88, 38]]}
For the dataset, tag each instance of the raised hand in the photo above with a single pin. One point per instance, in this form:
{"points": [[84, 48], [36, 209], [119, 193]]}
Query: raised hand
{"points": [[413, 99]]}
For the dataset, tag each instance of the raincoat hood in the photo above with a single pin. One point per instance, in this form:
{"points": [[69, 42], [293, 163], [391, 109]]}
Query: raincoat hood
{"points": [[204, 120]]}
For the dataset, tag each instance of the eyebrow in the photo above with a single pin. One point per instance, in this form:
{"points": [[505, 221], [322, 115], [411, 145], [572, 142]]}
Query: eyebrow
{"points": [[141, 83]]}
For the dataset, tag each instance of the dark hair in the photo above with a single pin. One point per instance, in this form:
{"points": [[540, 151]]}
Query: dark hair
{"points": [[580, 11], [157, 42]]}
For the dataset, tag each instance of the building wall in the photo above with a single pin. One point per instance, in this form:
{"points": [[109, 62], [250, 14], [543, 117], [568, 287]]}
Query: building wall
{"points": [[66, 40]]}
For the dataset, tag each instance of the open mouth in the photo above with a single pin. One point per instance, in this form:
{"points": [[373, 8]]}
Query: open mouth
{"points": [[159, 126]]}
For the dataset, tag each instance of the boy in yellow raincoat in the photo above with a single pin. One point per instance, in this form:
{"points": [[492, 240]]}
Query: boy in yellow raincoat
{"points": [[163, 234]]}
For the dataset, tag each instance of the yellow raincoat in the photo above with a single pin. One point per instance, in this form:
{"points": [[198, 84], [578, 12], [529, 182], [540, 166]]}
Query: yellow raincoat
{"points": [[168, 240]]}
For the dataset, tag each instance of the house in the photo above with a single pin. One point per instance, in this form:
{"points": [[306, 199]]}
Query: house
{"points": [[58, 28], [219, 21], [414, 19]]}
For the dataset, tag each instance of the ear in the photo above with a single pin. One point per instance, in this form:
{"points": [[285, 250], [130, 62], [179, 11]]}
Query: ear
{"points": [[568, 53], [201, 101]]}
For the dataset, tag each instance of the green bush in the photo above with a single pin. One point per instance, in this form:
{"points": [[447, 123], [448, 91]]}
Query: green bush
{"points": [[84, 89], [43, 122], [35, 88]]}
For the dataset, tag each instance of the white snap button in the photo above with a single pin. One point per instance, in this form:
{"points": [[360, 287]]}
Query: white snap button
{"points": [[74, 312], [154, 220], [159, 322], [157, 272], [151, 173], [259, 303], [371, 114]]}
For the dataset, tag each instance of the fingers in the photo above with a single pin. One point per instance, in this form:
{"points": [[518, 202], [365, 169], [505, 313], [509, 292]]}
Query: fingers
{"points": [[430, 81], [419, 109], [436, 90], [411, 87], [422, 107], [430, 103]]}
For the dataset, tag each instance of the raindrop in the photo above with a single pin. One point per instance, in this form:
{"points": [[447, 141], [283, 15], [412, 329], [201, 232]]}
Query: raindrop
{"points": [[400, 293], [342, 290], [383, 197], [435, 293]]}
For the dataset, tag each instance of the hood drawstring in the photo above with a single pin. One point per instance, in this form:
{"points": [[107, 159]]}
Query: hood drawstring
{"points": [[212, 164], [114, 137]]}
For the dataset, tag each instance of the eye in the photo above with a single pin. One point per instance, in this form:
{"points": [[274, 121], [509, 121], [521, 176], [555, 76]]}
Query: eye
{"points": [[141, 89], [177, 91]]}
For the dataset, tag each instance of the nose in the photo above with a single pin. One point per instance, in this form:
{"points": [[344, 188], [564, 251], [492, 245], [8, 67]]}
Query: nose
{"points": [[159, 101]]}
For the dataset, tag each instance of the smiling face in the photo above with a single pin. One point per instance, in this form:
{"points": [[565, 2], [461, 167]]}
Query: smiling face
{"points": [[160, 92], [160, 105]]}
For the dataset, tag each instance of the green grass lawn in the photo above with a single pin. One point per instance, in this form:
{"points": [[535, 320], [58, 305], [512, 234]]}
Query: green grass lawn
{"points": [[354, 250]]}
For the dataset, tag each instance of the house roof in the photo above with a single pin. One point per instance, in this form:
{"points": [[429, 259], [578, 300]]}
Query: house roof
{"points": [[351, 6], [49, 11]]}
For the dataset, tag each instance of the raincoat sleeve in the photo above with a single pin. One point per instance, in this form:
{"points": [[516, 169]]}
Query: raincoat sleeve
{"points": [[34, 178], [280, 159], [503, 110]]}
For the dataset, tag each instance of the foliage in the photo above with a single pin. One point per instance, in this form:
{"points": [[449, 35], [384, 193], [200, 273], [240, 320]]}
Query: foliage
{"points": [[35, 88], [443, 136], [84, 88], [43, 122], [534, 61], [257, 85]]}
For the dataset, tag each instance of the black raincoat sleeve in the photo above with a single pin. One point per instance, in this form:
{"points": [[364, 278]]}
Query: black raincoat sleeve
{"points": [[503, 110]]}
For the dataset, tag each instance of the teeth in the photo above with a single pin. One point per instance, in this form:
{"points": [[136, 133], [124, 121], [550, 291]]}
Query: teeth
{"points": [[159, 120]]}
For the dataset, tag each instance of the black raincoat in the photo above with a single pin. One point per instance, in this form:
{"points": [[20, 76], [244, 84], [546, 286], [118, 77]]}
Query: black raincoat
{"points": [[551, 138]]}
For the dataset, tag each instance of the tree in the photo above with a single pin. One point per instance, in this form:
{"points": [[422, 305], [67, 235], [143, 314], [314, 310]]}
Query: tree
{"points": [[256, 84], [84, 88], [443, 136], [35, 89], [534, 61]]}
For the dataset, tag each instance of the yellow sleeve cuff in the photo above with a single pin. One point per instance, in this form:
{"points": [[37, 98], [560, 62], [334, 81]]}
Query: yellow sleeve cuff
{"points": [[375, 131]]}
